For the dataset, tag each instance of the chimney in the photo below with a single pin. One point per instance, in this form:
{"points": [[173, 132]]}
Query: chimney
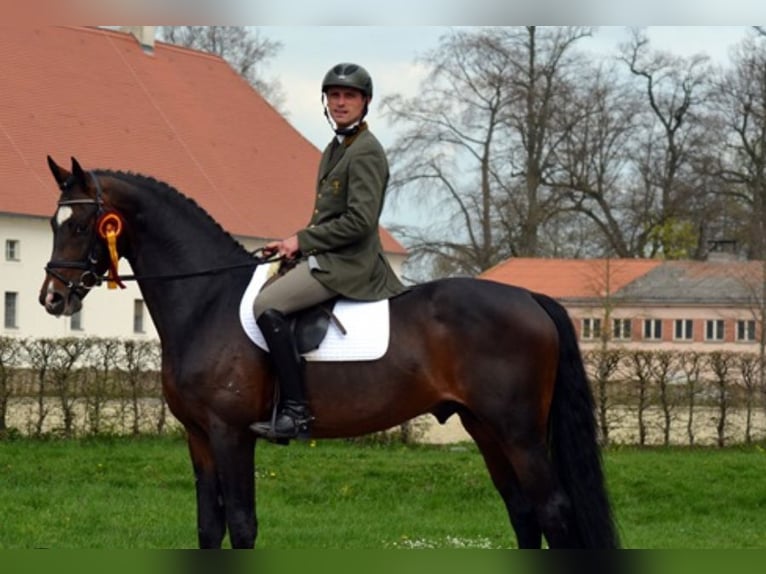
{"points": [[144, 35], [723, 250]]}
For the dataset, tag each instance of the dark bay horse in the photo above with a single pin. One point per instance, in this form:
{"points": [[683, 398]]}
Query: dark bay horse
{"points": [[503, 359]]}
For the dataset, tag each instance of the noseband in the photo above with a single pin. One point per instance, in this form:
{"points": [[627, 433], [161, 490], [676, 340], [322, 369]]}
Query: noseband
{"points": [[90, 277]]}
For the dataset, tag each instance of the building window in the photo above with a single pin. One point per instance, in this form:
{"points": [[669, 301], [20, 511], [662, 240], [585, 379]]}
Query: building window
{"points": [[684, 330], [653, 329], [714, 330], [12, 250], [138, 316], [746, 330], [591, 328], [621, 329], [11, 300], [75, 321]]}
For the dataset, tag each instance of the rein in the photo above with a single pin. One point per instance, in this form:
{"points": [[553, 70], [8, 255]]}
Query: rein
{"points": [[90, 278], [257, 260]]}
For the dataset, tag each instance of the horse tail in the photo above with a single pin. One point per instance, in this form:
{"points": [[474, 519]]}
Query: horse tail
{"points": [[573, 438]]}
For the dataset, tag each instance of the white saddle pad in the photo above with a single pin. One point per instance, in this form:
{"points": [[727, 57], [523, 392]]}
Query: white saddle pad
{"points": [[367, 326]]}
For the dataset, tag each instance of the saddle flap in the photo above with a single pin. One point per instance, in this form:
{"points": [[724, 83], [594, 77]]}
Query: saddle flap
{"points": [[310, 326]]}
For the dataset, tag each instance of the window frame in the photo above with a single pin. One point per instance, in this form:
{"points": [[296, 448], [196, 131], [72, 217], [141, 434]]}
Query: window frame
{"points": [[619, 332], [715, 323], [687, 328], [656, 329], [11, 310], [139, 316], [591, 329], [747, 323], [75, 322], [12, 250]]}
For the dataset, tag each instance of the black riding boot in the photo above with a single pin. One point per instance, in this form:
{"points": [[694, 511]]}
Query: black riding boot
{"points": [[293, 418]]}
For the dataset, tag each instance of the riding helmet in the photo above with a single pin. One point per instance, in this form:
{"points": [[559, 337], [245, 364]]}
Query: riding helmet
{"points": [[348, 76]]}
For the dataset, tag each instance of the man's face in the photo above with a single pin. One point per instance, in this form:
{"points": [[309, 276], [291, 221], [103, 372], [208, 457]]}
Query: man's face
{"points": [[345, 104]]}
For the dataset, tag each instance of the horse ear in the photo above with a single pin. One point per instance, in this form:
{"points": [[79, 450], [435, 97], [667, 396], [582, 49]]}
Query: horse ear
{"points": [[78, 173], [59, 173]]}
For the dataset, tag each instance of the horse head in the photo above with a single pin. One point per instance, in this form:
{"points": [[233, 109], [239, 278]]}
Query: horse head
{"points": [[81, 254]]}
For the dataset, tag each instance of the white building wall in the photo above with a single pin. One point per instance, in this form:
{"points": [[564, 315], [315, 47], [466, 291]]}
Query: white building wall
{"points": [[106, 312]]}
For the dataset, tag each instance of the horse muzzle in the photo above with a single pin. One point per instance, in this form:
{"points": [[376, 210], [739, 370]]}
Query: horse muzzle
{"points": [[58, 302]]}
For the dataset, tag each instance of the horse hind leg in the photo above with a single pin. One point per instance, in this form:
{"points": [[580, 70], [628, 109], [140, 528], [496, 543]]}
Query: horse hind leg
{"points": [[528, 482], [520, 509], [553, 509]]}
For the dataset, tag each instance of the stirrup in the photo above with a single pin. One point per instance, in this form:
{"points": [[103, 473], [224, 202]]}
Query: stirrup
{"points": [[289, 424]]}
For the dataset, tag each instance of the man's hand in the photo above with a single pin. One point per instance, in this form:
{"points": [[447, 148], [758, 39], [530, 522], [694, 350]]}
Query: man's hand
{"points": [[287, 248]]}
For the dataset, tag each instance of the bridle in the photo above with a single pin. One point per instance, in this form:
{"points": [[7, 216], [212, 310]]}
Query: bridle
{"points": [[91, 277]]}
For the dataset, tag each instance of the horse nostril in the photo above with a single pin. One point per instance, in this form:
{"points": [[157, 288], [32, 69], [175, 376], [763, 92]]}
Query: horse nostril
{"points": [[54, 303]]}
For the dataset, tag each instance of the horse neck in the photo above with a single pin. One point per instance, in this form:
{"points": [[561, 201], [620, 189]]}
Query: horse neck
{"points": [[168, 236]]}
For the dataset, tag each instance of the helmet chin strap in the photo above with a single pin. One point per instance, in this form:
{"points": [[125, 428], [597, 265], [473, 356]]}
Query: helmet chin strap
{"points": [[347, 131]]}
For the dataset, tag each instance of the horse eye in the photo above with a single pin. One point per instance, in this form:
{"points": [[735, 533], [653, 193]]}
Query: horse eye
{"points": [[78, 228]]}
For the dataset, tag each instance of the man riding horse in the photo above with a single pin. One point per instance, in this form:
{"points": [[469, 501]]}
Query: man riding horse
{"points": [[339, 253]]}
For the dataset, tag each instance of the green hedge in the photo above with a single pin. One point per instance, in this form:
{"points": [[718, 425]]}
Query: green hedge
{"points": [[76, 386]]}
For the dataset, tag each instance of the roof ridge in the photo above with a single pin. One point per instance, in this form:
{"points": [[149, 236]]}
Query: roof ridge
{"points": [[125, 35]]}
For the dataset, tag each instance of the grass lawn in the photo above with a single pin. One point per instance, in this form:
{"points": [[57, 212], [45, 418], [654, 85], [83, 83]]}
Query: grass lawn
{"points": [[117, 493]]}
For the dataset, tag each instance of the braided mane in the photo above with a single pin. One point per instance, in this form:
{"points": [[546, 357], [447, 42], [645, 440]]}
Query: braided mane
{"points": [[156, 186]]}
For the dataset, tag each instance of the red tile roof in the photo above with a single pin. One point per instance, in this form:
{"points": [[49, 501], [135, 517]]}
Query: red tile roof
{"points": [[179, 115], [570, 278]]}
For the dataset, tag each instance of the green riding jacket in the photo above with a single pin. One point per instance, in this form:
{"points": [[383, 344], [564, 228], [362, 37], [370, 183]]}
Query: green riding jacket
{"points": [[343, 235]]}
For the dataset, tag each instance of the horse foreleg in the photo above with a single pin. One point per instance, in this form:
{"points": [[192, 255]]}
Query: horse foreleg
{"points": [[520, 509], [211, 518], [234, 452]]}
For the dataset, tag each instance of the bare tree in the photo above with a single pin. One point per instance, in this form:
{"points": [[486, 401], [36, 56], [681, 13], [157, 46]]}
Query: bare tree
{"points": [[740, 98], [244, 48], [667, 178], [480, 142], [452, 132], [595, 158], [547, 71]]}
